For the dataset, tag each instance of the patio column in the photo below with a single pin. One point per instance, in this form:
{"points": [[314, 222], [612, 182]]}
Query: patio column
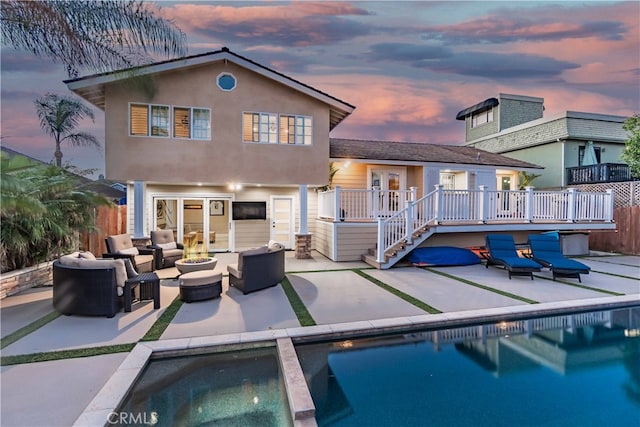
{"points": [[303, 237], [528, 204], [138, 209]]}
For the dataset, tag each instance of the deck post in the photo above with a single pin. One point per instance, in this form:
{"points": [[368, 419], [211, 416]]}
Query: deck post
{"points": [[376, 201], [414, 193], [482, 208], [528, 204], [409, 208], [138, 208], [380, 240], [337, 214], [438, 203], [571, 208], [610, 199]]}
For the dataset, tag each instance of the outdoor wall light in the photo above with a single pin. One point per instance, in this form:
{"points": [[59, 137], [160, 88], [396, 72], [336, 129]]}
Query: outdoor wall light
{"points": [[235, 187]]}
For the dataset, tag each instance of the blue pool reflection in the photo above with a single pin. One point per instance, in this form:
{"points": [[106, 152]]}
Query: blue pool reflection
{"points": [[571, 370]]}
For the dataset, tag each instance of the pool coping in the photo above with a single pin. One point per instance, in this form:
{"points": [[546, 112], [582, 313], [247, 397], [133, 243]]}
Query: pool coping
{"points": [[113, 393]]}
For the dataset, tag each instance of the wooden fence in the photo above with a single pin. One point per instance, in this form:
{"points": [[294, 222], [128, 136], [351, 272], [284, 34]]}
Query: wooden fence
{"points": [[625, 238], [109, 220]]}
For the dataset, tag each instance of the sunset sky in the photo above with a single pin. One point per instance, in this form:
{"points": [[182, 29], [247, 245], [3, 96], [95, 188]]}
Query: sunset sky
{"points": [[408, 67]]}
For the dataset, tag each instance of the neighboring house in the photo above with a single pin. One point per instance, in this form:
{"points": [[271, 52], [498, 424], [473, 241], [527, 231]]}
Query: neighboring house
{"points": [[235, 152], [101, 187], [573, 147]]}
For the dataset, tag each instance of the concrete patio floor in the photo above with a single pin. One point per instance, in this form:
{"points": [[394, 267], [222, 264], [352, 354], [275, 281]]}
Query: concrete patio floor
{"points": [[55, 393]]}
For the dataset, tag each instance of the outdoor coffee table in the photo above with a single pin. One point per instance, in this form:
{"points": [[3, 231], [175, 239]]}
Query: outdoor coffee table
{"points": [[146, 286], [188, 267]]}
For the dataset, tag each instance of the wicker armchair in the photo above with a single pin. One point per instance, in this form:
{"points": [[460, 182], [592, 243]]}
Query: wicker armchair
{"points": [[121, 246], [167, 250], [257, 269]]}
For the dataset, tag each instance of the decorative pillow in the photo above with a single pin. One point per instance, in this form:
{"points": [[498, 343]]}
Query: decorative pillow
{"points": [[129, 251], [86, 255], [170, 245]]}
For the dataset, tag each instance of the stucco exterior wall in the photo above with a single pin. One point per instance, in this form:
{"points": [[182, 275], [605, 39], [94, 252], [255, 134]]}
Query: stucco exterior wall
{"points": [[225, 158]]}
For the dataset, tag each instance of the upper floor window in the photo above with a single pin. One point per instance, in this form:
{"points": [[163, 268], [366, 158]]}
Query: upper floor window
{"points": [[193, 123], [272, 128], [481, 118], [149, 120], [154, 120]]}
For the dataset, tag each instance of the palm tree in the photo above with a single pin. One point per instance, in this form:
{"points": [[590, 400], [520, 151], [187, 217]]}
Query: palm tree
{"points": [[99, 35], [59, 116]]}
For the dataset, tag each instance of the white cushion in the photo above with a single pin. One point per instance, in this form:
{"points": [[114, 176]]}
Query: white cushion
{"points": [[170, 245], [233, 270], [129, 251]]}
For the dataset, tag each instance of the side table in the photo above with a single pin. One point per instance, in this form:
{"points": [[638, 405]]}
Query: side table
{"points": [[147, 286]]}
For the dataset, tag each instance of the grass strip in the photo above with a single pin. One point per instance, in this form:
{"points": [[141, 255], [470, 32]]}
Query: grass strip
{"points": [[65, 354], [303, 315], [26, 330], [157, 329], [406, 297], [581, 286], [486, 288]]}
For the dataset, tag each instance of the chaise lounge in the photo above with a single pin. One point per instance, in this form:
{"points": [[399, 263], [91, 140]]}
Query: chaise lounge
{"points": [[501, 250], [546, 250]]}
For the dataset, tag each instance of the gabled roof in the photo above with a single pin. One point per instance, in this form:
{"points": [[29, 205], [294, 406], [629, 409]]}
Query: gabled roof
{"points": [[92, 88], [420, 153]]}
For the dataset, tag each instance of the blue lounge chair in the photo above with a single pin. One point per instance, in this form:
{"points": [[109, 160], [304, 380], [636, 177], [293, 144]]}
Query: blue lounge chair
{"points": [[501, 250], [545, 249]]}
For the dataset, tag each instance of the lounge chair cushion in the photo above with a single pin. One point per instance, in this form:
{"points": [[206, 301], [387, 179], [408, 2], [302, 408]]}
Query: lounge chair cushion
{"points": [[129, 251], [566, 264], [166, 246], [546, 250], [517, 262], [233, 269]]}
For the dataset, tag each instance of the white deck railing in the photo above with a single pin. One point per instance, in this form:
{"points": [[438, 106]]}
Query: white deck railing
{"points": [[400, 215]]}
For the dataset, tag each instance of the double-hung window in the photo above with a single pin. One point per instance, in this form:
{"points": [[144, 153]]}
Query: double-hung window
{"points": [[272, 128], [192, 123]]}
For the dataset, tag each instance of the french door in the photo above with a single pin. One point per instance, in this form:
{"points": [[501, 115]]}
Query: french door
{"points": [[392, 185], [282, 220]]}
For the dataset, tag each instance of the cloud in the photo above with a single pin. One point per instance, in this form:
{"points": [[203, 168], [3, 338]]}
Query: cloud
{"points": [[296, 24], [499, 66], [406, 52], [544, 23], [23, 62]]}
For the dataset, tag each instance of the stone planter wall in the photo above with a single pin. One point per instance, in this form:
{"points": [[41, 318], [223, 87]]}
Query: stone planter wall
{"points": [[30, 277]]}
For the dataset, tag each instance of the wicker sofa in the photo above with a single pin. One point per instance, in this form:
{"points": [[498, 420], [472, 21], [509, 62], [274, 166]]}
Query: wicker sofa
{"points": [[85, 285], [257, 268]]}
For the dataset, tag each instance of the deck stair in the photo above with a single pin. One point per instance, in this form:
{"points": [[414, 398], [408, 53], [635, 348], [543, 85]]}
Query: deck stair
{"points": [[399, 251]]}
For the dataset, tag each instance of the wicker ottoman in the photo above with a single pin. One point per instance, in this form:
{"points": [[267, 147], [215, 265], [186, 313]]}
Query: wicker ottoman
{"points": [[200, 285]]}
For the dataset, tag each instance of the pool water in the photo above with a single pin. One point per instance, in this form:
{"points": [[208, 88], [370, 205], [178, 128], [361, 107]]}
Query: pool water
{"points": [[240, 388], [573, 370]]}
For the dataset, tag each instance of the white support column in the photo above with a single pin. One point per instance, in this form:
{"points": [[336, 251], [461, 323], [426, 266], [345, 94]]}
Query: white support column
{"points": [[337, 214], [409, 207], [304, 215], [380, 245], [438, 203], [528, 204], [376, 202], [571, 208], [611, 202], [138, 210], [482, 204]]}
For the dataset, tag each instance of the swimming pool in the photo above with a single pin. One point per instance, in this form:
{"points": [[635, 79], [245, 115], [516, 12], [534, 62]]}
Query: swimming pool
{"points": [[239, 388], [576, 369]]}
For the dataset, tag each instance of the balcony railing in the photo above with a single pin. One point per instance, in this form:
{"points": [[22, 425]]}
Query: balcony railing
{"points": [[602, 172], [398, 221]]}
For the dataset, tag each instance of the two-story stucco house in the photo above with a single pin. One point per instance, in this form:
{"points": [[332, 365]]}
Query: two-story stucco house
{"points": [[573, 147], [237, 152]]}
